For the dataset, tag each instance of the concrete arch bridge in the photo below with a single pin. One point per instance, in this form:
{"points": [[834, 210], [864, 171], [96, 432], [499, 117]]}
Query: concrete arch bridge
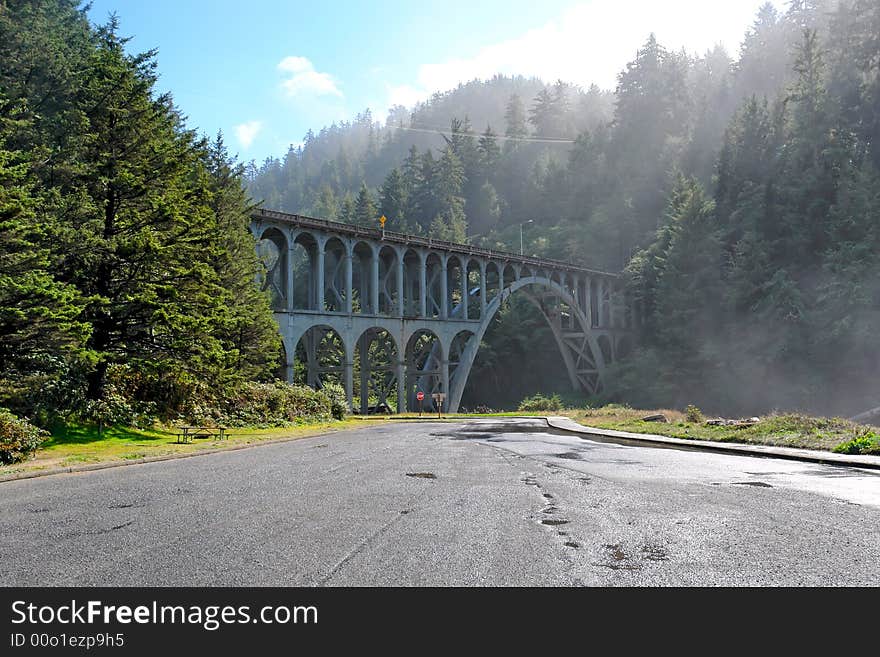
{"points": [[388, 315]]}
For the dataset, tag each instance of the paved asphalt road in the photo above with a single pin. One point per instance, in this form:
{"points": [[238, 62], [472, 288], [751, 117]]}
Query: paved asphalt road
{"points": [[493, 502]]}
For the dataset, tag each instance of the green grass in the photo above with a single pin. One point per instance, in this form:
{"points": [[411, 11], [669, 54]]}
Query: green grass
{"points": [[73, 445], [783, 430]]}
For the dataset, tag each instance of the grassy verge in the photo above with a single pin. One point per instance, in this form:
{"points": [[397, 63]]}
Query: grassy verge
{"points": [[77, 445], [783, 430]]}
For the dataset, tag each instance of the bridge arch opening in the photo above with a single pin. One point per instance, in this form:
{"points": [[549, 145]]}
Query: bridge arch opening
{"points": [[433, 285], [305, 262], [335, 263], [474, 289], [361, 278], [319, 358], [493, 280], [412, 292], [272, 251], [454, 286], [458, 347], [375, 370], [423, 369], [388, 281]]}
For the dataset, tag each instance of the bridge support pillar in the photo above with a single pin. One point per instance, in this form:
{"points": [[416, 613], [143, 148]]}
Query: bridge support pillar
{"points": [[444, 291], [319, 289], [423, 301], [444, 382], [401, 386], [482, 290], [401, 301], [348, 382], [374, 285], [348, 284], [363, 347], [464, 290], [289, 274]]}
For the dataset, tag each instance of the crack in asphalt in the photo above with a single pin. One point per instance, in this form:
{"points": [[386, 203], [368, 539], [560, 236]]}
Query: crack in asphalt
{"points": [[364, 544]]}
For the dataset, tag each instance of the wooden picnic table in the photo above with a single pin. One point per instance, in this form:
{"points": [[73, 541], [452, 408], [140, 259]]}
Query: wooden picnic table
{"points": [[187, 433]]}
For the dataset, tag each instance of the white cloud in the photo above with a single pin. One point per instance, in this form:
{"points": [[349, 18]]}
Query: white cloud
{"points": [[247, 132], [302, 78], [591, 42]]}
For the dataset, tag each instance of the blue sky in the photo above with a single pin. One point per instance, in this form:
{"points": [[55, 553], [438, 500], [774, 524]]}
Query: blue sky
{"points": [[265, 72]]}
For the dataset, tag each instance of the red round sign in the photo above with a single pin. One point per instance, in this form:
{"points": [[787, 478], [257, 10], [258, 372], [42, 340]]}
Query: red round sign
{"points": [[420, 396]]}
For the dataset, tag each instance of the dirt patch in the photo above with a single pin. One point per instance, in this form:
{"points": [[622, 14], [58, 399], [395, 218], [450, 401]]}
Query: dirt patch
{"points": [[422, 475]]}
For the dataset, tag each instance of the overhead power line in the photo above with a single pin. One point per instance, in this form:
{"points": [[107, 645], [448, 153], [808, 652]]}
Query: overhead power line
{"points": [[449, 133]]}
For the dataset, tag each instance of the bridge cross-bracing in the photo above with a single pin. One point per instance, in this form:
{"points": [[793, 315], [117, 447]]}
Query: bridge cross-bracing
{"points": [[388, 315]]}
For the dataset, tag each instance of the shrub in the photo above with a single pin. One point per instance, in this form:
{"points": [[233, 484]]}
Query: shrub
{"points": [[693, 414], [867, 443], [275, 404], [18, 438], [338, 401], [539, 402]]}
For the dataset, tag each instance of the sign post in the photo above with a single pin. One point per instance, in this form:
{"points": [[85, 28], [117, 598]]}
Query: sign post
{"points": [[420, 396], [382, 221], [439, 397]]}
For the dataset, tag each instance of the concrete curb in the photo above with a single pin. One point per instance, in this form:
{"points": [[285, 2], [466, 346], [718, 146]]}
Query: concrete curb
{"points": [[815, 456]]}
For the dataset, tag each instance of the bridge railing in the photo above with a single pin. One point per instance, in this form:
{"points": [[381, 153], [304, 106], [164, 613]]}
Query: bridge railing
{"points": [[416, 240]]}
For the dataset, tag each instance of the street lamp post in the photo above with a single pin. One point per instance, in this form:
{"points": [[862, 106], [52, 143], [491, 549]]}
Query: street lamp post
{"points": [[530, 221]]}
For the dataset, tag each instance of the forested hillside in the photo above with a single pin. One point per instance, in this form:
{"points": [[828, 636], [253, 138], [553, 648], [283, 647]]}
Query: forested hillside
{"points": [[739, 191]]}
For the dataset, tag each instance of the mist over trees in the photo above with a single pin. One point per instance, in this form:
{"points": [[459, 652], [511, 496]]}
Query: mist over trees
{"points": [[739, 193]]}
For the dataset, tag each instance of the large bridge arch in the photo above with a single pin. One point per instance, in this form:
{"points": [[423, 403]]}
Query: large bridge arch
{"points": [[340, 290], [589, 350]]}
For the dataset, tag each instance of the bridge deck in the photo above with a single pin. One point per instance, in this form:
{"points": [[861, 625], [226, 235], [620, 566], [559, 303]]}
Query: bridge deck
{"points": [[416, 240]]}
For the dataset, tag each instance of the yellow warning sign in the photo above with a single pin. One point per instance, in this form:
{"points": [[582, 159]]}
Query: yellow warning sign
{"points": [[382, 221]]}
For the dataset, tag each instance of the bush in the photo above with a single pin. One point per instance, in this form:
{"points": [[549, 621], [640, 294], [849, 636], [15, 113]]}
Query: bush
{"points": [[693, 414], [539, 402], [338, 402], [867, 443], [18, 438], [275, 404]]}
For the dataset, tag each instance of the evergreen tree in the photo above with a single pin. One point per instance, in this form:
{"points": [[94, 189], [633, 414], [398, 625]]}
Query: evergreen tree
{"points": [[393, 200], [39, 316], [326, 207], [490, 154], [348, 210], [246, 328], [365, 208], [141, 239]]}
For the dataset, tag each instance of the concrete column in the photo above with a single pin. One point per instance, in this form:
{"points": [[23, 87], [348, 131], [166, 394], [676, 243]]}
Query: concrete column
{"points": [[401, 386], [482, 290], [365, 374], [348, 280], [500, 280], [319, 290], [600, 306], [423, 287], [444, 381], [464, 292], [444, 291], [348, 382], [575, 290], [290, 252], [400, 295], [374, 284]]}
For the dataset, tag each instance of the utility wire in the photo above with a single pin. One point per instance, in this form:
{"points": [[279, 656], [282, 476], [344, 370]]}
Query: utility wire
{"points": [[537, 140]]}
